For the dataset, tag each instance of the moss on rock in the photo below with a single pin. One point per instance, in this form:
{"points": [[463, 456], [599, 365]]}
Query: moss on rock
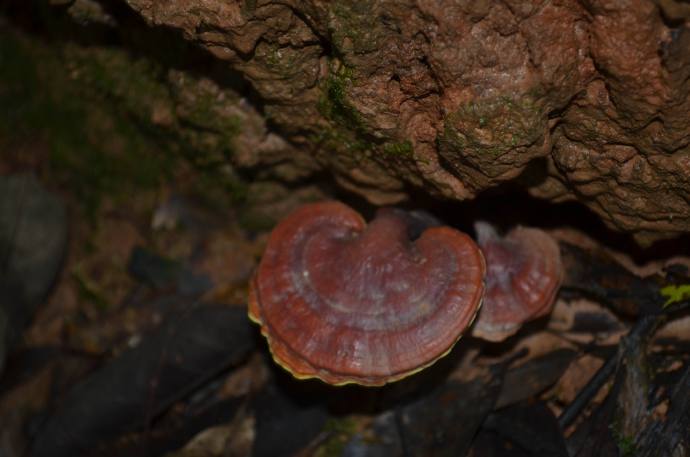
{"points": [[492, 127], [114, 124]]}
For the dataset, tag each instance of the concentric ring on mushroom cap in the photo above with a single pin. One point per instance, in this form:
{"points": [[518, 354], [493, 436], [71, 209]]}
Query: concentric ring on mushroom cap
{"points": [[524, 272], [349, 303]]}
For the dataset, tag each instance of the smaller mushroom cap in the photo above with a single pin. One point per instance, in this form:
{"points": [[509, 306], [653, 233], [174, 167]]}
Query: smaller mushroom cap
{"points": [[524, 272], [348, 302]]}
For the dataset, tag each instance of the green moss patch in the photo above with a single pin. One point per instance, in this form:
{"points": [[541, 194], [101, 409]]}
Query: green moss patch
{"points": [[90, 152], [493, 127], [109, 124], [355, 28]]}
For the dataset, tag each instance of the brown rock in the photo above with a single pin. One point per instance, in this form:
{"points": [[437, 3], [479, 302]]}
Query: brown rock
{"points": [[584, 101]]}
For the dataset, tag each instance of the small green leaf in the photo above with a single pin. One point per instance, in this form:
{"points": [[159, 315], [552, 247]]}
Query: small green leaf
{"points": [[675, 293]]}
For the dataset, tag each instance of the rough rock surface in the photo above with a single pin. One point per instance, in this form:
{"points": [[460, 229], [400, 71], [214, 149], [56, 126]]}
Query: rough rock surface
{"points": [[583, 100], [30, 216]]}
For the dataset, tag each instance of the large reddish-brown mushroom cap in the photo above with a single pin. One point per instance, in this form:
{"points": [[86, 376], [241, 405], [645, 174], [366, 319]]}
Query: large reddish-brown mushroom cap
{"points": [[524, 272], [349, 303]]}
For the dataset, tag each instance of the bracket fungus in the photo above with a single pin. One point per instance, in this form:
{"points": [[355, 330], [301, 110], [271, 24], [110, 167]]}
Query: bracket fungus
{"points": [[348, 302], [524, 272]]}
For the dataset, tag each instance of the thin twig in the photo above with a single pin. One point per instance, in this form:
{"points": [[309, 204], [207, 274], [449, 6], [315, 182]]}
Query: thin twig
{"points": [[642, 327]]}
